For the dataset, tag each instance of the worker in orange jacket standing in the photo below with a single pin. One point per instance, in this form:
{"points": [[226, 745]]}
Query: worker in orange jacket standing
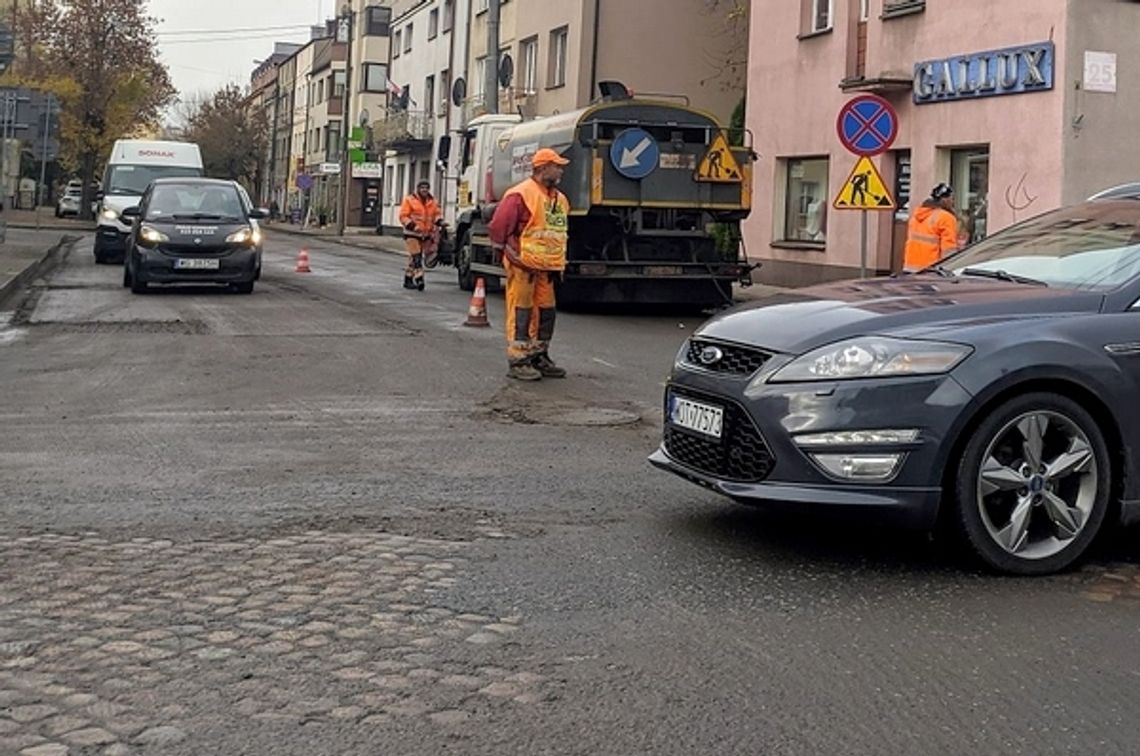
{"points": [[529, 229], [932, 232], [419, 215]]}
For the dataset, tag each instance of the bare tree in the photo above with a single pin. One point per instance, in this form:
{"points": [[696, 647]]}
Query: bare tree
{"points": [[728, 57]]}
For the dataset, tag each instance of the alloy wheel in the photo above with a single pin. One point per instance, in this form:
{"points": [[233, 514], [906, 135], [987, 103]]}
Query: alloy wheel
{"points": [[1037, 485]]}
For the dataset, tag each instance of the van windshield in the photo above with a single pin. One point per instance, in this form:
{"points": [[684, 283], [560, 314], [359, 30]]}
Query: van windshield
{"points": [[134, 179]]}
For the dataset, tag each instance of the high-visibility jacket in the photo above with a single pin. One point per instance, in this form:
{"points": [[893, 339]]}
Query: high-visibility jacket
{"points": [[423, 213], [542, 241], [931, 234]]}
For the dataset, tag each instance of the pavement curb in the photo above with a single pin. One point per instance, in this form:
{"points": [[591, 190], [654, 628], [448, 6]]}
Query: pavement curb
{"points": [[35, 270], [50, 227]]}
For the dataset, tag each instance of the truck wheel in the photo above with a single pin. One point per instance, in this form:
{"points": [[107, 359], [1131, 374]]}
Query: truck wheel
{"points": [[463, 263]]}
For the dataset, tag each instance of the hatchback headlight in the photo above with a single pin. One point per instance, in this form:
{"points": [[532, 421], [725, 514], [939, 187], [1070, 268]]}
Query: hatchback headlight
{"points": [[151, 235], [872, 357], [109, 214], [250, 237]]}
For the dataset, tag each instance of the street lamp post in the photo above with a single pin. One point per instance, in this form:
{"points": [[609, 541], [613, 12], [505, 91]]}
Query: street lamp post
{"points": [[346, 19]]}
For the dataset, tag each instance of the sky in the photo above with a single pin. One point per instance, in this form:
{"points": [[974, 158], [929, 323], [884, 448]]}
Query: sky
{"points": [[207, 44]]}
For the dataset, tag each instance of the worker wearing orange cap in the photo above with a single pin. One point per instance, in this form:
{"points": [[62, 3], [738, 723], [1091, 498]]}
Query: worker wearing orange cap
{"points": [[529, 230]]}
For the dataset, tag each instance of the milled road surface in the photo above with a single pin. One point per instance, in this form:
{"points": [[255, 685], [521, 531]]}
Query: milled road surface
{"points": [[318, 520]]}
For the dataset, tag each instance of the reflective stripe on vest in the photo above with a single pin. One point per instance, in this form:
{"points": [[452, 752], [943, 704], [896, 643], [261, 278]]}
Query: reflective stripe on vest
{"points": [[542, 243]]}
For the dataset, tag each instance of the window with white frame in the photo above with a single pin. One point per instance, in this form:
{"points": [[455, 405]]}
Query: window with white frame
{"points": [[396, 44], [528, 54], [805, 200], [481, 6], [448, 15], [375, 77], [559, 41], [433, 23], [821, 15], [429, 96], [408, 38], [444, 90], [864, 10], [480, 74]]}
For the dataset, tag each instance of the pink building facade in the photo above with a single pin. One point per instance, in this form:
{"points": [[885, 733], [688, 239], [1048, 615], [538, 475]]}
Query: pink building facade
{"points": [[1021, 105]]}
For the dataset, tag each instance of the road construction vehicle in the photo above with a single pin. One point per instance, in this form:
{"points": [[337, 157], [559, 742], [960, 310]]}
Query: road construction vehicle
{"points": [[652, 185]]}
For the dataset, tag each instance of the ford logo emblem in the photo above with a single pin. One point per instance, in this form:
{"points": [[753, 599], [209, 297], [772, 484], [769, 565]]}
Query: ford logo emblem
{"points": [[710, 355]]}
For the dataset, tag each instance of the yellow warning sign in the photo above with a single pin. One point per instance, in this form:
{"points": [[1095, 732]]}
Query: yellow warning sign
{"points": [[864, 189], [719, 164]]}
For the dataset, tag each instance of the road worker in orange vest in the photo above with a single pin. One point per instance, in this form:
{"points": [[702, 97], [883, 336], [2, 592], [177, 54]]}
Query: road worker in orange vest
{"points": [[932, 232], [419, 215], [529, 229]]}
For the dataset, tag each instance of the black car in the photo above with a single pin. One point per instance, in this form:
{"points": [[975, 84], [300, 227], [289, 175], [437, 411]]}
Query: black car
{"points": [[999, 389], [193, 230]]}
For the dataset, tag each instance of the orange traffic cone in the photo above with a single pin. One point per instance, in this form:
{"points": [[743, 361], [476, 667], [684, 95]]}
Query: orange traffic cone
{"points": [[477, 312], [303, 262]]}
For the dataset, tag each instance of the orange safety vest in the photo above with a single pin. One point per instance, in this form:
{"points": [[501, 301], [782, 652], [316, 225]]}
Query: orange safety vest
{"points": [[926, 237], [423, 214], [542, 243]]}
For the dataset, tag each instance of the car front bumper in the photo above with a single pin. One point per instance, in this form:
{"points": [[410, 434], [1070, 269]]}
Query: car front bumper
{"points": [[111, 238], [154, 266], [766, 465]]}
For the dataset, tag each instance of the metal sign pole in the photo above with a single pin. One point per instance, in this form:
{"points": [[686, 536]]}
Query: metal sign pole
{"points": [[863, 244]]}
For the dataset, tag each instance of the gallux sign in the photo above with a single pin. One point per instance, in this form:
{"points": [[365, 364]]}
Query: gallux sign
{"points": [[1014, 70]]}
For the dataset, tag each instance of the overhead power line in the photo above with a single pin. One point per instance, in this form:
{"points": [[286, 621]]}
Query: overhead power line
{"points": [[212, 32]]}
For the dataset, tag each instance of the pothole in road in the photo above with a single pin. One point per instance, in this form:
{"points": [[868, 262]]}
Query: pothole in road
{"points": [[511, 404]]}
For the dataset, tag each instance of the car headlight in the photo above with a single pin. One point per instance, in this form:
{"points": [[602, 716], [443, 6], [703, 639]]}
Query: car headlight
{"points": [[250, 237], [109, 214], [151, 235], [872, 357]]}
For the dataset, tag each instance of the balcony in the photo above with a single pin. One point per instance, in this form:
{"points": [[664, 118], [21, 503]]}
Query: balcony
{"points": [[404, 129]]}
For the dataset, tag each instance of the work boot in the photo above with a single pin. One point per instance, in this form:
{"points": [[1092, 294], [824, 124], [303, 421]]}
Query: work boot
{"points": [[524, 372], [546, 366], [420, 284], [408, 283]]}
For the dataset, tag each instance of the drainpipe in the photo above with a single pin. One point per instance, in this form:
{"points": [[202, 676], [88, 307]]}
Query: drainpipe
{"points": [[594, 52], [491, 85]]}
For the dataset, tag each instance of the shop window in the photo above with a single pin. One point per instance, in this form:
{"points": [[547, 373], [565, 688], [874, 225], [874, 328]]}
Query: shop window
{"points": [[805, 200], [970, 177]]}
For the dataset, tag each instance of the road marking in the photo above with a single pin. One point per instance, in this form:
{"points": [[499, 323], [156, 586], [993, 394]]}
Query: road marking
{"points": [[603, 362]]}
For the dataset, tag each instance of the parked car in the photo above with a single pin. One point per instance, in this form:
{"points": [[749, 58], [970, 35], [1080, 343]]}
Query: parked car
{"points": [[68, 203], [997, 389], [192, 230]]}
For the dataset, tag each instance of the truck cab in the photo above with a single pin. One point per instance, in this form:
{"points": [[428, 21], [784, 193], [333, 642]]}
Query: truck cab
{"points": [[476, 159]]}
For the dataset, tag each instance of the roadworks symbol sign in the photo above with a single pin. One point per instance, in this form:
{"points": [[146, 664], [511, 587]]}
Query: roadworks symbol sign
{"points": [[719, 164], [864, 189]]}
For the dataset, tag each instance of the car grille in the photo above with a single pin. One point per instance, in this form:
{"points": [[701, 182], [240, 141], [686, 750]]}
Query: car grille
{"points": [[737, 360], [740, 454]]}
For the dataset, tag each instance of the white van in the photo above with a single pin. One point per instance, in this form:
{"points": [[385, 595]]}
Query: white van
{"points": [[133, 164]]}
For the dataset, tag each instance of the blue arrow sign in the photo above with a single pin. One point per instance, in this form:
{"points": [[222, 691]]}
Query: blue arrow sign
{"points": [[635, 154]]}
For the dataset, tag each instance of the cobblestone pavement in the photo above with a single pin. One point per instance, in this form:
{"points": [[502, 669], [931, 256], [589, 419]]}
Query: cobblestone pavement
{"points": [[117, 647]]}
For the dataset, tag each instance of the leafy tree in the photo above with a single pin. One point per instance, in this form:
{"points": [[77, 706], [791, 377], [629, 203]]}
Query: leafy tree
{"points": [[231, 134], [99, 57]]}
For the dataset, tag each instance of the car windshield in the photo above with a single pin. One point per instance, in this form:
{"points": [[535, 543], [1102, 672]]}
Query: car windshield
{"points": [[194, 202], [1091, 246], [134, 179]]}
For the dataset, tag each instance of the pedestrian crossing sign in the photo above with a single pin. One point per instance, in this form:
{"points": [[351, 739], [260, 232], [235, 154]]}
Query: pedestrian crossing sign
{"points": [[719, 164], [864, 189]]}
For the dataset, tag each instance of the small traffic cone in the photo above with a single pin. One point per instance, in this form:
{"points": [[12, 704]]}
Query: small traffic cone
{"points": [[303, 262], [477, 312]]}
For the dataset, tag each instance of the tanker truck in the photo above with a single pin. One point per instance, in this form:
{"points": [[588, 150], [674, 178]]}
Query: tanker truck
{"points": [[647, 182]]}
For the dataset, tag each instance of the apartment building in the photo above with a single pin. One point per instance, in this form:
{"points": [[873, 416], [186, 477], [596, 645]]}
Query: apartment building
{"points": [[266, 99], [428, 42], [556, 53], [298, 130], [1015, 104]]}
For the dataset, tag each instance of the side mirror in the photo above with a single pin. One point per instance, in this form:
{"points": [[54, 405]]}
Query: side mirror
{"points": [[99, 196], [259, 213], [444, 154], [131, 212]]}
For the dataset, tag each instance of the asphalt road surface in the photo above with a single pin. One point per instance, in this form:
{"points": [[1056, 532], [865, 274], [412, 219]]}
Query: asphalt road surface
{"points": [[318, 520]]}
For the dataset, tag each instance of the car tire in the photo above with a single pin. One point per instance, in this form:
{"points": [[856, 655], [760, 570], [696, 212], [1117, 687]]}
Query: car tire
{"points": [[138, 286], [126, 275], [463, 257], [1033, 485], [245, 287]]}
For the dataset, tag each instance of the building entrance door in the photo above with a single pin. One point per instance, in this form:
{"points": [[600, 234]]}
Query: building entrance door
{"points": [[970, 177]]}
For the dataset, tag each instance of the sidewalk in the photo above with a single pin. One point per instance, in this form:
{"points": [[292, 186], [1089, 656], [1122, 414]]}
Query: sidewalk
{"points": [[44, 218], [22, 260], [367, 238]]}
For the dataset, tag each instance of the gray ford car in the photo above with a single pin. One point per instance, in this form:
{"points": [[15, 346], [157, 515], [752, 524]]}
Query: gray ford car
{"points": [[193, 230], [998, 391]]}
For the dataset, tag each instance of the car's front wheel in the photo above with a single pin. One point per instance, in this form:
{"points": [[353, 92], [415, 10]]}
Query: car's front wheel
{"points": [[1033, 485]]}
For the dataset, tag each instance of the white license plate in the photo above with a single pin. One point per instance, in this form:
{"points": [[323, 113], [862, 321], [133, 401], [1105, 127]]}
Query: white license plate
{"points": [[706, 419], [196, 263]]}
